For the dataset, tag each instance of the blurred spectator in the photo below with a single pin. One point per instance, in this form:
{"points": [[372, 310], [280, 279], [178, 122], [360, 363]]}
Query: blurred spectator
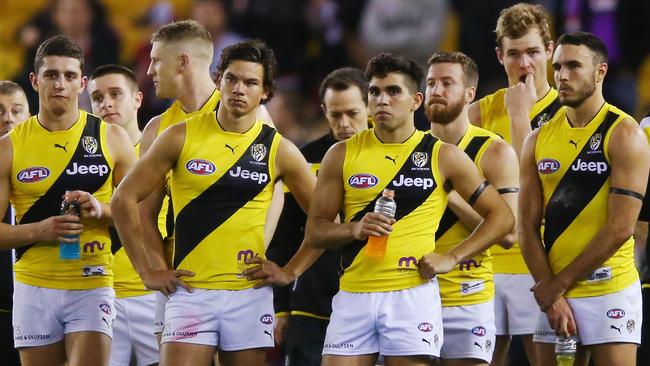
{"points": [[414, 30], [280, 23], [617, 23], [212, 14], [82, 20], [478, 41]]}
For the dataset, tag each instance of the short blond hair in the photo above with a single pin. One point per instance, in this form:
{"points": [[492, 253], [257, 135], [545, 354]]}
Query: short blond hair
{"points": [[189, 34], [182, 30], [514, 22], [8, 87]]}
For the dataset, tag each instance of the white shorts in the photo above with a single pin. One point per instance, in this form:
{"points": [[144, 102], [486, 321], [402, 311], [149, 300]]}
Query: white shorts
{"points": [[394, 323], [611, 318], [515, 307], [159, 312], [133, 331], [43, 316], [469, 331], [231, 320]]}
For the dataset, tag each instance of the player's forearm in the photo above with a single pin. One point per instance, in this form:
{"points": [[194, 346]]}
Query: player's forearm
{"points": [[128, 225], [303, 259], [106, 214], [16, 236], [325, 234], [601, 247], [494, 226], [533, 252], [154, 243], [465, 213], [519, 129]]}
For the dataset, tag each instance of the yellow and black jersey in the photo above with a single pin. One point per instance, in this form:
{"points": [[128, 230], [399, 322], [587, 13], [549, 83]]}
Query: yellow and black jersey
{"points": [[645, 210], [173, 115], [221, 187], [471, 282], [311, 294], [494, 118], [411, 170], [126, 280], [574, 169], [45, 165]]}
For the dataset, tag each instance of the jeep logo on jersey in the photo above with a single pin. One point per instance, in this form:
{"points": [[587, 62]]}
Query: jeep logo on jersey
{"points": [[258, 151], [425, 327], [598, 167], [479, 331], [200, 167], [616, 313], [594, 143], [424, 183], [33, 174], [258, 177], [363, 181], [90, 144], [100, 170], [420, 158], [266, 319], [548, 166]]}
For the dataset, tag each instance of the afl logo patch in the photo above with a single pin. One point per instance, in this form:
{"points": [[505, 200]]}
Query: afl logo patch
{"points": [[425, 327], [89, 144], [479, 331], [266, 319], [33, 174], [548, 166], [200, 167], [616, 313], [258, 151], [363, 181], [420, 159]]}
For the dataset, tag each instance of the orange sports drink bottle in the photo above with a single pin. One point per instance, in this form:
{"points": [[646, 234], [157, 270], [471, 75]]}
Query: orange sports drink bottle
{"points": [[386, 206]]}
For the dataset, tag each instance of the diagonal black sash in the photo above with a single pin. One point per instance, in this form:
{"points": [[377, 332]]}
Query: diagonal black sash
{"points": [[49, 204], [406, 198], [221, 200], [546, 114], [577, 187], [449, 218]]}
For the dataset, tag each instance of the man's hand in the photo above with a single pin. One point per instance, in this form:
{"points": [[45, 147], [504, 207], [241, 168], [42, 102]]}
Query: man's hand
{"points": [[374, 224], [55, 228], [560, 317], [267, 271], [166, 280], [433, 263], [547, 292], [90, 207], [520, 98], [280, 329]]}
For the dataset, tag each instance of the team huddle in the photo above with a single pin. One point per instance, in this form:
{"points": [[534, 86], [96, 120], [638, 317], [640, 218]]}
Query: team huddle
{"points": [[514, 213]]}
